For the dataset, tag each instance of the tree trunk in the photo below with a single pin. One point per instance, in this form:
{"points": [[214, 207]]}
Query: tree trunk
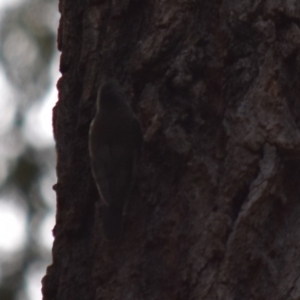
{"points": [[215, 210]]}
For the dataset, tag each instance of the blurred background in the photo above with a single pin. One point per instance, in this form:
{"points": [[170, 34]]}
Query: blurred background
{"points": [[28, 75]]}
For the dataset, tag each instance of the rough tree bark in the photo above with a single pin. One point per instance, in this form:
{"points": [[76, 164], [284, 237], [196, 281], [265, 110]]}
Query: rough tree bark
{"points": [[215, 211]]}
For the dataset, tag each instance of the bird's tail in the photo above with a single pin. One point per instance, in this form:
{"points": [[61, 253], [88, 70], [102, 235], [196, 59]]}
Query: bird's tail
{"points": [[112, 222]]}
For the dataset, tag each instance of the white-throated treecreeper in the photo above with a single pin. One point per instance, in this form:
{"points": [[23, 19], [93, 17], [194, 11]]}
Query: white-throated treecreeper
{"points": [[115, 144]]}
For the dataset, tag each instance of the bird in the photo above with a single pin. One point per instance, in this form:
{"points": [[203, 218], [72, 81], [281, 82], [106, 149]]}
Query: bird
{"points": [[115, 145]]}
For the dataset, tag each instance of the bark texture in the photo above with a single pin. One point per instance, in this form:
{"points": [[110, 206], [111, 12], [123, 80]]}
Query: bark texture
{"points": [[215, 211]]}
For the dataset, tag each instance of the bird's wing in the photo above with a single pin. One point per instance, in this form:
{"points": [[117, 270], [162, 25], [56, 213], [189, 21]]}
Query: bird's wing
{"points": [[102, 172]]}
